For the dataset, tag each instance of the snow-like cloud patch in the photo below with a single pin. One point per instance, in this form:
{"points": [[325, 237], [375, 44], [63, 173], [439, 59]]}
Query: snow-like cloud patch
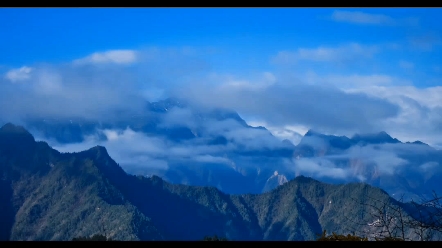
{"points": [[341, 54], [112, 56], [20, 74]]}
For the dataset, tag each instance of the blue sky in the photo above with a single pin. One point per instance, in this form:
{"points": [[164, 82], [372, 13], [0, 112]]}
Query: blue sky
{"points": [[248, 37], [383, 64]]}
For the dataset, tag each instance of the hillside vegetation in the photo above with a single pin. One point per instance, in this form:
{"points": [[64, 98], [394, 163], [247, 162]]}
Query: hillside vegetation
{"points": [[47, 195]]}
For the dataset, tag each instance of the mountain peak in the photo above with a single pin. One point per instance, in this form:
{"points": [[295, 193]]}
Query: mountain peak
{"points": [[311, 132], [288, 143], [384, 135], [11, 128], [417, 142], [106, 164], [304, 179], [374, 138], [166, 104], [15, 131], [100, 150]]}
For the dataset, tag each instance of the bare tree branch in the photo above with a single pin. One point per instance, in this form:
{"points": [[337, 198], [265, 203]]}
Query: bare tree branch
{"points": [[395, 220]]}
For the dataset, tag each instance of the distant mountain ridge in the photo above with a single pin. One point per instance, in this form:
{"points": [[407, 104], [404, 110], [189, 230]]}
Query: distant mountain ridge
{"points": [[150, 124], [343, 142], [249, 169], [361, 153], [47, 195]]}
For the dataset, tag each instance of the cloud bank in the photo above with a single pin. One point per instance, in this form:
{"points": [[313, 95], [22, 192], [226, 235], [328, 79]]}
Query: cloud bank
{"points": [[335, 104], [279, 104]]}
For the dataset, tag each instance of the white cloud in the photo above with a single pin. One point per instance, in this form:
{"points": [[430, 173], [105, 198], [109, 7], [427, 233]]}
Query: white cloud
{"points": [[136, 150], [48, 82], [364, 18], [430, 97], [264, 80], [429, 166], [312, 103], [178, 117], [111, 134], [211, 159], [420, 115], [302, 130], [385, 161], [112, 56], [319, 168], [269, 77], [293, 133], [19, 74], [420, 108], [353, 80], [286, 134], [285, 103], [255, 123], [67, 91], [359, 17], [363, 162], [344, 53]]}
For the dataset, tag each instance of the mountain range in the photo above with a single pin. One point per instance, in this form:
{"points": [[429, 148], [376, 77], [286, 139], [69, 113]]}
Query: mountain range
{"points": [[216, 147], [48, 195]]}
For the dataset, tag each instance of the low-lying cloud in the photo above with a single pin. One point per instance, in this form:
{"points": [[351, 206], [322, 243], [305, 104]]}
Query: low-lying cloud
{"points": [[420, 111], [323, 108], [135, 150], [319, 168], [370, 162], [138, 150], [112, 92]]}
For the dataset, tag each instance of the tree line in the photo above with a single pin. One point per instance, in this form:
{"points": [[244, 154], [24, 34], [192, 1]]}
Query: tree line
{"points": [[393, 221]]}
